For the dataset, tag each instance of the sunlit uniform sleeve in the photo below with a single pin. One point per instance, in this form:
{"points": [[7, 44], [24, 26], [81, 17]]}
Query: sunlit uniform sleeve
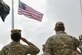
{"points": [[3, 51], [76, 42], [33, 50], [47, 47]]}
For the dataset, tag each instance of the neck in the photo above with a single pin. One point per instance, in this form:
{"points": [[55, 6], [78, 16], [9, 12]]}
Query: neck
{"points": [[16, 41]]}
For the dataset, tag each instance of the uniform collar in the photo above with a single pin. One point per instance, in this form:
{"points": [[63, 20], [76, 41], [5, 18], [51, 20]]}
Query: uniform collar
{"points": [[13, 42], [59, 32]]}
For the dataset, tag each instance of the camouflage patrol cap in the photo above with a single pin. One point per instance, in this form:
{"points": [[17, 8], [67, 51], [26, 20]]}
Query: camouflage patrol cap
{"points": [[59, 24], [16, 31]]}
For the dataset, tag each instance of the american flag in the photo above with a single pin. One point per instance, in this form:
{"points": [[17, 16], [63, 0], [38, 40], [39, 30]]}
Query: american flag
{"points": [[29, 12]]}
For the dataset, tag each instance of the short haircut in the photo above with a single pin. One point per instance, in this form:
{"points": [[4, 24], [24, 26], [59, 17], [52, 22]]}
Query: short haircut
{"points": [[60, 28], [16, 36]]}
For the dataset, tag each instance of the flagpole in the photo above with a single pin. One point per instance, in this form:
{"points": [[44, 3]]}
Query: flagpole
{"points": [[81, 7], [12, 14]]}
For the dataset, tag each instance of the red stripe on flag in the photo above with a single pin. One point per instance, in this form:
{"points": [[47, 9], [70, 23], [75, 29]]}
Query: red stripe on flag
{"points": [[29, 12]]}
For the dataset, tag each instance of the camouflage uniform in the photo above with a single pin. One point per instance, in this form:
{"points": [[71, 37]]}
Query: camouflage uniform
{"points": [[16, 48], [60, 44], [80, 38]]}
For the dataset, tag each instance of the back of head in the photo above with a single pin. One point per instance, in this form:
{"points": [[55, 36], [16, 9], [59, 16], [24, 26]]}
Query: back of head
{"points": [[59, 26], [16, 35]]}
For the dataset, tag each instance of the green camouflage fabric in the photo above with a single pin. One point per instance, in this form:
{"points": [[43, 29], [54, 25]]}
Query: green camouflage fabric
{"points": [[15, 48], [80, 39], [60, 44]]}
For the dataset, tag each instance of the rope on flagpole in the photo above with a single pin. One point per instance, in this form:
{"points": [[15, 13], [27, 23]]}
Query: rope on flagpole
{"points": [[12, 14]]}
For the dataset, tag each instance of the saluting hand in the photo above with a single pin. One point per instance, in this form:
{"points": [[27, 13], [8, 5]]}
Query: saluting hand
{"points": [[23, 39]]}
